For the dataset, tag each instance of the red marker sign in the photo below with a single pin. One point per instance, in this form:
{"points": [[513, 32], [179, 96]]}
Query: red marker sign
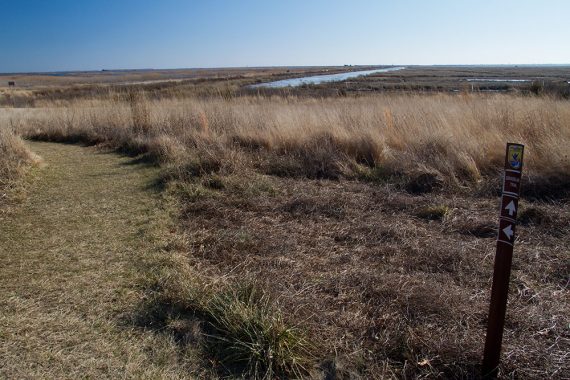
{"points": [[503, 258]]}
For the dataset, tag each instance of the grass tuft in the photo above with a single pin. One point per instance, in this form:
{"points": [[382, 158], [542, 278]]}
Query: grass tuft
{"points": [[240, 331], [247, 336], [214, 182], [533, 216], [439, 212], [420, 183]]}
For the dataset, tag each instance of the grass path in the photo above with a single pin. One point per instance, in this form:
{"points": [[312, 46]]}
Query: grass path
{"points": [[68, 271]]}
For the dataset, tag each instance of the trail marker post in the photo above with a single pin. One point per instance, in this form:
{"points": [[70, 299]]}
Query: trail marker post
{"points": [[503, 258]]}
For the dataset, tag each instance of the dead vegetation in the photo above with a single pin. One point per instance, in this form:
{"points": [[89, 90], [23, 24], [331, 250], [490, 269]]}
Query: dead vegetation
{"points": [[14, 159], [383, 292], [368, 222], [424, 143]]}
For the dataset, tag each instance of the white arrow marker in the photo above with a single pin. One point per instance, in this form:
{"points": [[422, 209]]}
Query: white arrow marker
{"points": [[508, 231], [512, 208]]}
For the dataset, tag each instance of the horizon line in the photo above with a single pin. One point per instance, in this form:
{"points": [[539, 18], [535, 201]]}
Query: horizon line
{"points": [[103, 70]]}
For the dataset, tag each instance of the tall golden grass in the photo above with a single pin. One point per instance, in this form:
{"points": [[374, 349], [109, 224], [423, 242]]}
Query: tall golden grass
{"points": [[14, 158], [458, 138]]}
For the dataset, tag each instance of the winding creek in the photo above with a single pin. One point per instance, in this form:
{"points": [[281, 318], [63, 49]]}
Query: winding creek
{"points": [[317, 79]]}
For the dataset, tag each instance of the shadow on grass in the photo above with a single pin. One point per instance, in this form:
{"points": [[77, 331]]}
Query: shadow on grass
{"points": [[158, 183], [68, 140], [548, 187], [236, 329], [139, 159]]}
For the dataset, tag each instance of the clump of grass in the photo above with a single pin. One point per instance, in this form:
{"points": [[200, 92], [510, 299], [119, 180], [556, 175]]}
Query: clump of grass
{"points": [[246, 335], [14, 158], [192, 192], [438, 212], [533, 216], [243, 334], [214, 182], [377, 174], [478, 229], [236, 323], [423, 182]]}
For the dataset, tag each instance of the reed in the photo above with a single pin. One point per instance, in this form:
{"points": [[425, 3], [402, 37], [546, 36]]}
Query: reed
{"points": [[459, 139]]}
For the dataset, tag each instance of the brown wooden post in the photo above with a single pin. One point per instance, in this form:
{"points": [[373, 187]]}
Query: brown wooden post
{"points": [[503, 258]]}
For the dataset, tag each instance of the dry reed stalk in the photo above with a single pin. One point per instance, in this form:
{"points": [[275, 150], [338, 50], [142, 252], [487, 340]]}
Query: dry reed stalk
{"points": [[458, 138]]}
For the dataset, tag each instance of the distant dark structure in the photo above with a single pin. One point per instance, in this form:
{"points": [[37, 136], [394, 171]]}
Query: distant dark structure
{"points": [[11, 84]]}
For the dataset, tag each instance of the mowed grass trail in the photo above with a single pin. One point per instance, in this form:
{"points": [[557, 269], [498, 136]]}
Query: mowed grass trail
{"points": [[68, 271]]}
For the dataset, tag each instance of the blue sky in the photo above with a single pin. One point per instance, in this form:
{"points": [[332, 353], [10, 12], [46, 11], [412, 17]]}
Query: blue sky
{"points": [[60, 35]]}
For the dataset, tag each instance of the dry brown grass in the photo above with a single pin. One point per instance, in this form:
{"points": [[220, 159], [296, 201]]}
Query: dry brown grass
{"points": [[357, 216], [386, 294], [457, 139], [14, 159]]}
